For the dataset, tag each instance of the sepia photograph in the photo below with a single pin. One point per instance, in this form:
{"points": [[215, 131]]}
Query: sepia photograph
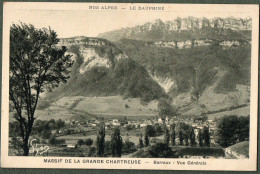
{"points": [[130, 86]]}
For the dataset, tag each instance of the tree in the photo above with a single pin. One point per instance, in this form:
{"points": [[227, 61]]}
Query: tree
{"points": [[243, 128], [158, 129], [141, 143], [36, 65], [14, 129], [181, 137], [52, 140], [146, 140], [165, 108], [206, 136], [116, 143], [46, 134], [200, 138], [107, 148], [172, 135], [192, 137], [166, 136], [232, 129], [88, 142], [60, 124], [80, 142], [150, 131], [186, 138], [101, 141]]}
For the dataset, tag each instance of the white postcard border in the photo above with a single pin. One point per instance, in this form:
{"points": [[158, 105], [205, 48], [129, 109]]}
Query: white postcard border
{"points": [[146, 163]]}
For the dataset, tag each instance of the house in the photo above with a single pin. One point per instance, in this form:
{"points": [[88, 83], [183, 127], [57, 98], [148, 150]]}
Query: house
{"points": [[107, 123], [160, 120], [116, 122], [71, 146], [143, 125]]}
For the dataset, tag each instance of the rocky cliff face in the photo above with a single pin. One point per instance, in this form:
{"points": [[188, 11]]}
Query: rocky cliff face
{"points": [[95, 52], [165, 82], [171, 30], [102, 69], [197, 43]]}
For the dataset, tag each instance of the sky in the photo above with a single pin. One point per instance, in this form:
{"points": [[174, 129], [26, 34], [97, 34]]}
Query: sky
{"points": [[76, 19]]}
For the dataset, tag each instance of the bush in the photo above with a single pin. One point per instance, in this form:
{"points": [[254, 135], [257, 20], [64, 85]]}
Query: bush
{"points": [[17, 145], [142, 154], [107, 148], [201, 151], [53, 141], [161, 150], [80, 142], [129, 147], [158, 129], [91, 152], [88, 142], [46, 134]]}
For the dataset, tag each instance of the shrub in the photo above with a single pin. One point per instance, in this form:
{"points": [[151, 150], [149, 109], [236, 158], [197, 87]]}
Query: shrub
{"points": [[129, 147], [80, 142], [142, 153], [46, 134], [107, 148], [91, 152], [161, 150], [88, 142]]}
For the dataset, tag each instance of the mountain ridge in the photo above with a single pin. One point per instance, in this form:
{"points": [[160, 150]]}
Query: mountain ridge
{"points": [[180, 29]]}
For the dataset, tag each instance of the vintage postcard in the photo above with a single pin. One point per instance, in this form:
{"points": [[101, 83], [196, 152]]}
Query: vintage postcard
{"points": [[130, 86]]}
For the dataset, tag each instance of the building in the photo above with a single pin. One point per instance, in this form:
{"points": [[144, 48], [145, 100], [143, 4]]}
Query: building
{"points": [[116, 122]]}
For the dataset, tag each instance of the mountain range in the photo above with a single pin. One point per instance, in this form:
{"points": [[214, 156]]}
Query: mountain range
{"points": [[202, 65]]}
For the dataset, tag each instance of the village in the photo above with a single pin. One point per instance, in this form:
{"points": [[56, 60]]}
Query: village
{"points": [[89, 128]]}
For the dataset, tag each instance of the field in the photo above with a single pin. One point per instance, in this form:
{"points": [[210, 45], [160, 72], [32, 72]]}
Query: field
{"points": [[116, 105], [89, 108], [243, 111]]}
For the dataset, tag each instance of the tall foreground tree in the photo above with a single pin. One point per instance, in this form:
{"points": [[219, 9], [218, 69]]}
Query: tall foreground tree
{"points": [[166, 136], [192, 137], [146, 140], [172, 135], [206, 136], [101, 141], [200, 138], [36, 65], [116, 143], [141, 143]]}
